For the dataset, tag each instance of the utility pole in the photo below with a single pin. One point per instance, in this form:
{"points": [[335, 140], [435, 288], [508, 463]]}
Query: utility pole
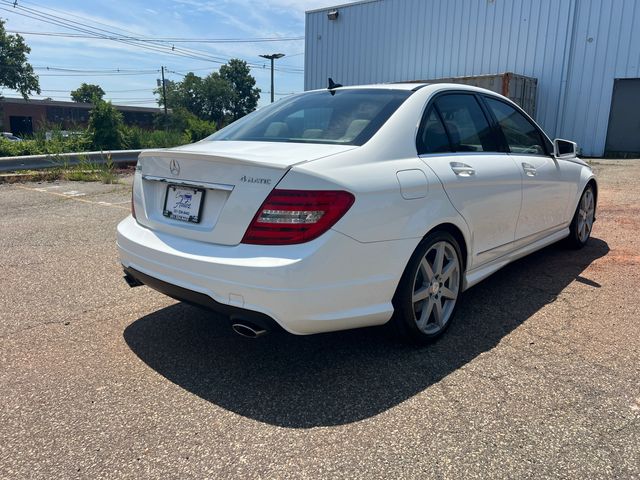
{"points": [[272, 57], [164, 94]]}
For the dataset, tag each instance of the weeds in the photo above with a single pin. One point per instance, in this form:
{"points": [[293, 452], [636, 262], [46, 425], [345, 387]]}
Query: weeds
{"points": [[134, 138], [85, 171], [88, 171]]}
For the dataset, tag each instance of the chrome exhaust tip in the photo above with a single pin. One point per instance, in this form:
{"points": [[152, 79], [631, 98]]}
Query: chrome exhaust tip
{"points": [[247, 330]]}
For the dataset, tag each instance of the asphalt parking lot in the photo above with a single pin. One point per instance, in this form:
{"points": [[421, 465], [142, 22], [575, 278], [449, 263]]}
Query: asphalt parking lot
{"points": [[539, 376]]}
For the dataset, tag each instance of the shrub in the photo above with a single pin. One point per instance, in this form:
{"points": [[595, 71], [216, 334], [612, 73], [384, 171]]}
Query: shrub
{"points": [[136, 138], [39, 145], [133, 138], [106, 126], [162, 139], [198, 129], [180, 119]]}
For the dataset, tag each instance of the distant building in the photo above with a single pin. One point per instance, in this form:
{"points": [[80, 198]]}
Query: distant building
{"points": [[24, 117], [584, 54]]}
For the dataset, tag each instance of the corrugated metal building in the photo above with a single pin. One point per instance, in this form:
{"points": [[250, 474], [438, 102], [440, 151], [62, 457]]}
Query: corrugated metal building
{"points": [[579, 51]]}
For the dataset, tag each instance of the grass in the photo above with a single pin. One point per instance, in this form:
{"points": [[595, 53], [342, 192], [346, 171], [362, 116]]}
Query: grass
{"points": [[88, 171], [133, 138], [85, 171]]}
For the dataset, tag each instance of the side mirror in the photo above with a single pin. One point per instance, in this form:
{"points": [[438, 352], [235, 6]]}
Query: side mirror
{"points": [[564, 148]]}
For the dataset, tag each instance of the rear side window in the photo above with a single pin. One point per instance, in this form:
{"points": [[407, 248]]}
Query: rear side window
{"points": [[432, 137], [466, 123], [521, 135]]}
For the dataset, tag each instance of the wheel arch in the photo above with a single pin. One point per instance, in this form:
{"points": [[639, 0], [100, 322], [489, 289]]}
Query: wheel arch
{"points": [[594, 184], [456, 233]]}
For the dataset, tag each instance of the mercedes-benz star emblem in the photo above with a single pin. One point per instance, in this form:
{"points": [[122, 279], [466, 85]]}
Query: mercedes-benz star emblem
{"points": [[174, 166]]}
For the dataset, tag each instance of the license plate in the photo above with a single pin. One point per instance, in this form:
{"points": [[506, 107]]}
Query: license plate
{"points": [[183, 203]]}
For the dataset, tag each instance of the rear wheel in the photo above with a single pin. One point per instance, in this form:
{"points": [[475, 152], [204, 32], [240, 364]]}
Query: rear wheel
{"points": [[429, 290], [582, 223]]}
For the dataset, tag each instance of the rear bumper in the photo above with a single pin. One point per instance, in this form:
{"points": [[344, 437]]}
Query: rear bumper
{"points": [[332, 283], [202, 300]]}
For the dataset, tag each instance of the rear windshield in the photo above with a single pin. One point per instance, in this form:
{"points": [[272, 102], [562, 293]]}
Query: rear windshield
{"points": [[346, 117]]}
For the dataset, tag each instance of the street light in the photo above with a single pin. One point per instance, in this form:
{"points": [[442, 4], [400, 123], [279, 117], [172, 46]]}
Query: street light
{"points": [[272, 57]]}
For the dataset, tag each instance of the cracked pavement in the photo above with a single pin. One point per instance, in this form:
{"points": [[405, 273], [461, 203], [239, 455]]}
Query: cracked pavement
{"points": [[537, 377]]}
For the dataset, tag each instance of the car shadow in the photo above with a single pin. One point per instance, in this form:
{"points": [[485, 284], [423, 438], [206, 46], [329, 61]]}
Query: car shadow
{"points": [[339, 378]]}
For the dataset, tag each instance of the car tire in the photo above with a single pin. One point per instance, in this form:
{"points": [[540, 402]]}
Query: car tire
{"points": [[583, 218], [429, 290]]}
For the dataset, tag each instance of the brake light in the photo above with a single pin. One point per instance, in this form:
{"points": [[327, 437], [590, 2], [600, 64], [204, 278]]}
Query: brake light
{"points": [[287, 217]]}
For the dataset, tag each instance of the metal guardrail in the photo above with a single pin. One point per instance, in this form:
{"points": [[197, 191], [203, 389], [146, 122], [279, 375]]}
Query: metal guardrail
{"points": [[36, 162]]}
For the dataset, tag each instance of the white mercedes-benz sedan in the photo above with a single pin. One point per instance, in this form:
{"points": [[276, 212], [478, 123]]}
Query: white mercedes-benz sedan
{"points": [[352, 207]]}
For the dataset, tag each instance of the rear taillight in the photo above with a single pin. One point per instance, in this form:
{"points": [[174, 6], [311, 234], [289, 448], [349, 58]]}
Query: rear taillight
{"points": [[133, 207], [297, 216]]}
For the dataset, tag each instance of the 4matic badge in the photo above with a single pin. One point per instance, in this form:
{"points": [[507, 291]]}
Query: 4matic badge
{"points": [[262, 181]]}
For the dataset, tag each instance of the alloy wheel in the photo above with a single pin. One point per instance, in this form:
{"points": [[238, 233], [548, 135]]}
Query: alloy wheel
{"points": [[586, 213], [435, 288]]}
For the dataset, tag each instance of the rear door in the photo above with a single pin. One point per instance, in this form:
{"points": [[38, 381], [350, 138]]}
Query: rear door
{"points": [[484, 184], [548, 184]]}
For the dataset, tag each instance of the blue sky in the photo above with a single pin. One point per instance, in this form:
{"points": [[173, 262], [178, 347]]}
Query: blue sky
{"points": [[210, 19]]}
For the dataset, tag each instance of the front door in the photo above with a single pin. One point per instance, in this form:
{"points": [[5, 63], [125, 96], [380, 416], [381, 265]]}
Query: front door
{"points": [[548, 184]]}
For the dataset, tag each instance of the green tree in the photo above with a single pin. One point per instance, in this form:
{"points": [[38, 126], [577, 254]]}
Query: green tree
{"points": [[182, 120], [106, 126], [87, 93], [220, 97], [15, 72], [245, 94]]}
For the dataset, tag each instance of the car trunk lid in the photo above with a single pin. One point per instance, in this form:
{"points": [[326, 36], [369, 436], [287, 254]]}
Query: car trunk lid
{"points": [[227, 180]]}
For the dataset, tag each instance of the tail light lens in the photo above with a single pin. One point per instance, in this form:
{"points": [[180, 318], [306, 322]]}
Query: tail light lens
{"points": [[296, 216]]}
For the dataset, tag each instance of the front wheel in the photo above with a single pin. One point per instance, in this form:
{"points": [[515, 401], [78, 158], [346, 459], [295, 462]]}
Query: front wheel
{"points": [[582, 223], [429, 290]]}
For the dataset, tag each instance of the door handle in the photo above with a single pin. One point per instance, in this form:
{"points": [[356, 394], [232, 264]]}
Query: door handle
{"points": [[462, 169], [529, 170]]}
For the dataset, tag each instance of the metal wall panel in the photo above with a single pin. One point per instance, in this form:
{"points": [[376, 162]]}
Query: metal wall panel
{"points": [[575, 48], [606, 46]]}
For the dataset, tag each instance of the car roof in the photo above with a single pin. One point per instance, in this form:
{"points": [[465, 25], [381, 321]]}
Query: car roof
{"points": [[380, 86], [413, 86]]}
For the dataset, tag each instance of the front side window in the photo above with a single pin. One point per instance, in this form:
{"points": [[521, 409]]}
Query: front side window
{"points": [[466, 124], [343, 117], [521, 135]]}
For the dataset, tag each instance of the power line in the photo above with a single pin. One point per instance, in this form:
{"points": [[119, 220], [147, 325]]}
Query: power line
{"points": [[53, 71], [93, 74], [109, 70], [82, 70], [104, 34], [70, 25], [66, 99], [106, 91], [168, 39], [43, 97]]}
